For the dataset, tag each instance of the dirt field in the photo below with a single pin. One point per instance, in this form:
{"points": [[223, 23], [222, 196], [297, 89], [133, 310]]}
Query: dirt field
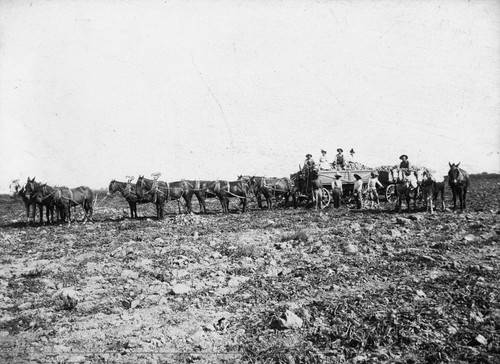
{"points": [[282, 286]]}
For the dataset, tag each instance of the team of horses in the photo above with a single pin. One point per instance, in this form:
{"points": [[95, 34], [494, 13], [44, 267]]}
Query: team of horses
{"points": [[54, 199], [59, 200]]}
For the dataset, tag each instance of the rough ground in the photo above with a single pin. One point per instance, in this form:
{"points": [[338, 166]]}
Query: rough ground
{"points": [[282, 286]]}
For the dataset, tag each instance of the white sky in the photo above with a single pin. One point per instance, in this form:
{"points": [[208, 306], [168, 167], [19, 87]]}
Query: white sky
{"points": [[96, 90]]}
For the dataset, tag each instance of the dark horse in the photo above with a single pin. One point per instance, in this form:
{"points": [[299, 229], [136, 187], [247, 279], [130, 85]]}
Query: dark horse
{"points": [[45, 196], [128, 190], [272, 187], [458, 180], [225, 190], [307, 182], [160, 192], [32, 195], [200, 190]]}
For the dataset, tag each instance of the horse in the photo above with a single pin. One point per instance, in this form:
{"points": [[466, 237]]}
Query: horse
{"points": [[160, 192], [128, 191], [277, 187], [62, 200], [225, 190], [199, 189], [458, 180], [17, 190], [402, 181], [308, 182], [44, 196], [84, 196], [30, 190], [436, 186]]}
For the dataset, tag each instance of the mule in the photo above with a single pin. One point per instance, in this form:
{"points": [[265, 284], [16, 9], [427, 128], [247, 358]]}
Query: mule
{"points": [[128, 191], [161, 192], [458, 180], [17, 190]]}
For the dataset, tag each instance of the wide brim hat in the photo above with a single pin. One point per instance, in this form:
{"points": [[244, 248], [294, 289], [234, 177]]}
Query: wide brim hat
{"points": [[352, 151], [374, 174], [323, 151], [340, 150], [357, 176], [403, 156], [338, 175], [308, 155]]}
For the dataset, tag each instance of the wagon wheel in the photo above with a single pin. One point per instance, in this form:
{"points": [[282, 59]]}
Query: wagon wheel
{"points": [[390, 193], [326, 198]]}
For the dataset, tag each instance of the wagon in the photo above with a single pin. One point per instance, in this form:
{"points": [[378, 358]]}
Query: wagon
{"points": [[348, 179]]}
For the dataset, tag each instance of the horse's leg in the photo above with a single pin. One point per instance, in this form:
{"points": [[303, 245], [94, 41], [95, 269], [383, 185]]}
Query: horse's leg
{"points": [[201, 202], [130, 206], [454, 198], [465, 193], [244, 204]]}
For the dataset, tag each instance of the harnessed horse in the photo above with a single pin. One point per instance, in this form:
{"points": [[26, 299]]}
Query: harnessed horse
{"points": [[458, 180], [277, 187], [17, 190], [308, 183], [431, 188], [161, 192], [225, 190], [127, 190], [44, 196], [402, 181]]}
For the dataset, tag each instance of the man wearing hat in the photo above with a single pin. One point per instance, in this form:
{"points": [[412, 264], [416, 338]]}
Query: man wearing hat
{"points": [[324, 164], [358, 191], [373, 183], [350, 159], [405, 164], [337, 190], [339, 159], [309, 162]]}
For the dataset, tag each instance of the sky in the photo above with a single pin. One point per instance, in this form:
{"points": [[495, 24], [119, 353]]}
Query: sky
{"points": [[97, 90]]}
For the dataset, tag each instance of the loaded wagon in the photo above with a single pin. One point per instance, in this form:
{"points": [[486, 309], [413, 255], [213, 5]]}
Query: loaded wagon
{"points": [[347, 177]]}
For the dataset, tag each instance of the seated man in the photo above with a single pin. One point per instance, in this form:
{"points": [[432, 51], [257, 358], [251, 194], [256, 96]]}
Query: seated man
{"points": [[339, 162], [309, 162], [405, 164]]}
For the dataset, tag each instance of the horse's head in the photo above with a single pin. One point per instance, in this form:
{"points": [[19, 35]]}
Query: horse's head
{"points": [[30, 187], [454, 175], [395, 175], [113, 187]]}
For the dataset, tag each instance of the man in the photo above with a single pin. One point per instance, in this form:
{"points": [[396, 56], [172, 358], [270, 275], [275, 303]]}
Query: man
{"points": [[309, 162], [337, 190], [350, 163], [324, 164], [405, 164], [339, 159], [358, 191], [373, 183]]}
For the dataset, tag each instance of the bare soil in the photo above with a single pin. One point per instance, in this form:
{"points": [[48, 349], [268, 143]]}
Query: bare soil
{"points": [[369, 286]]}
